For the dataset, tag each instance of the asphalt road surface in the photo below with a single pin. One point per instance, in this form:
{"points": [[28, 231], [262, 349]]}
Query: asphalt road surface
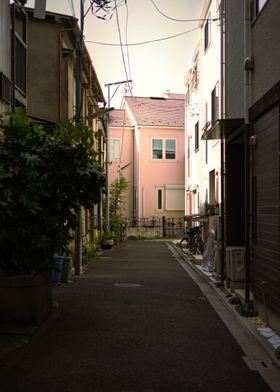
{"points": [[134, 322]]}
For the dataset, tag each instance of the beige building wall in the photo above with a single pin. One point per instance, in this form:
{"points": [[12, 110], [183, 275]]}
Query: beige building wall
{"points": [[266, 49], [234, 59], [5, 48], [51, 67], [43, 70]]}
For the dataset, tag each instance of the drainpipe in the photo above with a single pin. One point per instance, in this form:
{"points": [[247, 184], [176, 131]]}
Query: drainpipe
{"points": [[13, 73], [79, 45], [248, 64], [59, 73], [133, 174], [222, 156]]}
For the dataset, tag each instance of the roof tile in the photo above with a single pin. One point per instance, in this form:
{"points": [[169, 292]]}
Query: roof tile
{"points": [[157, 111]]}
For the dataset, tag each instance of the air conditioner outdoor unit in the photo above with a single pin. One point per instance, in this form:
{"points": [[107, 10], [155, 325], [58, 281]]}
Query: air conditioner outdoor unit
{"points": [[217, 248], [235, 263]]}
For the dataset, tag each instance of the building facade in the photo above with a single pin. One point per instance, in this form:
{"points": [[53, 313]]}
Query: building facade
{"points": [[264, 117], [39, 72], [149, 149], [247, 128], [203, 177], [13, 60], [5, 59]]}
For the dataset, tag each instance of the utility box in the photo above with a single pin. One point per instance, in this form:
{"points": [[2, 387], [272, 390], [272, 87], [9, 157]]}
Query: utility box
{"points": [[235, 263]]}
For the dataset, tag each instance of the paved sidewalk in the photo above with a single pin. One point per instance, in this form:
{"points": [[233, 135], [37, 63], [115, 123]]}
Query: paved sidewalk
{"points": [[140, 320], [223, 293]]}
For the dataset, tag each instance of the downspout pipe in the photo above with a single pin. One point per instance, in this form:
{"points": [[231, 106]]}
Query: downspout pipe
{"points": [[13, 23], [133, 174], [247, 179], [222, 155], [79, 46]]}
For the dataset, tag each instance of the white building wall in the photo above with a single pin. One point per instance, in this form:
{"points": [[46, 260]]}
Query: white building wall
{"points": [[206, 158]]}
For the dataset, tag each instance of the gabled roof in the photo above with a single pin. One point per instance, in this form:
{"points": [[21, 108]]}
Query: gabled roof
{"points": [[119, 118], [157, 111]]}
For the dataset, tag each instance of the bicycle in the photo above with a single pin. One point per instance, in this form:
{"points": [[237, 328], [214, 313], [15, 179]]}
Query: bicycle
{"points": [[192, 241], [123, 232]]}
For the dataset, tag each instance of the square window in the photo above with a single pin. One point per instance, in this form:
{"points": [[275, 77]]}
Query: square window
{"points": [[164, 149]]}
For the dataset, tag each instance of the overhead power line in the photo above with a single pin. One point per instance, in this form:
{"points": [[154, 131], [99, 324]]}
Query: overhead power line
{"points": [[144, 42], [178, 20], [71, 5], [104, 9], [122, 45]]}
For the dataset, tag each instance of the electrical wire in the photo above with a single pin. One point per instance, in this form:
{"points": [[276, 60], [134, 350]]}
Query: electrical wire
{"points": [[127, 51], [115, 91], [71, 5], [122, 137], [145, 42], [97, 6], [121, 44], [177, 20]]}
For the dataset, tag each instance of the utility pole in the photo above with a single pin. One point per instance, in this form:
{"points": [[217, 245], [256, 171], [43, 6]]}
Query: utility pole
{"points": [[78, 96], [107, 162]]}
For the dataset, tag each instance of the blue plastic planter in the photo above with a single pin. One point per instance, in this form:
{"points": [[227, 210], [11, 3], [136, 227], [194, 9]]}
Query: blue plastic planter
{"points": [[56, 274]]}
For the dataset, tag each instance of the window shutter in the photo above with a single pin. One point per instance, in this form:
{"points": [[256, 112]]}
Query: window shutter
{"points": [[175, 197]]}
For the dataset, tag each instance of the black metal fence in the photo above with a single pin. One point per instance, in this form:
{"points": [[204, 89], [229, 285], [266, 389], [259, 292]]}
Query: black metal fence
{"points": [[153, 226], [156, 227]]}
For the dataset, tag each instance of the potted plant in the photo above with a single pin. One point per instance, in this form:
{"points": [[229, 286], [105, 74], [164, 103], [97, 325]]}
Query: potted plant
{"points": [[117, 199], [107, 240], [45, 177]]}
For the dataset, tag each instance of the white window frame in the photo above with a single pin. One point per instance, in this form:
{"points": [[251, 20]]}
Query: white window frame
{"points": [[207, 30], [115, 151], [162, 148], [196, 137], [164, 140], [159, 198]]}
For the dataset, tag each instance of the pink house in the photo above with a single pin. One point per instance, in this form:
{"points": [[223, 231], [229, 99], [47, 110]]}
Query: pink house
{"points": [[147, 147]]}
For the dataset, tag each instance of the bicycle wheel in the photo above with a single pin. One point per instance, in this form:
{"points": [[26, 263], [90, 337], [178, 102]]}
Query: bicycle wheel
{"points": [[199, 245], [192, 245], [184, 245]]}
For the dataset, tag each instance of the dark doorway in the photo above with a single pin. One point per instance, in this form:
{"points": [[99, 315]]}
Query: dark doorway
{"points": [[234, 194]]}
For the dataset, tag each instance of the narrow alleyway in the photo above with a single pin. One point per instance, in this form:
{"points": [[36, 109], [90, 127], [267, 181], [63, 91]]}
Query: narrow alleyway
{"points": [[134, 322]]}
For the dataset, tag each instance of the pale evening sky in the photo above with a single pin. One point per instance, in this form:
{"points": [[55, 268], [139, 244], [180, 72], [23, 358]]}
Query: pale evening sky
{"points": [[154, 67]]}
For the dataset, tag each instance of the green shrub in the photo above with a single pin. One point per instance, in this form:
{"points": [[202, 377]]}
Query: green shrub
{"points": [[44, 180]]}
